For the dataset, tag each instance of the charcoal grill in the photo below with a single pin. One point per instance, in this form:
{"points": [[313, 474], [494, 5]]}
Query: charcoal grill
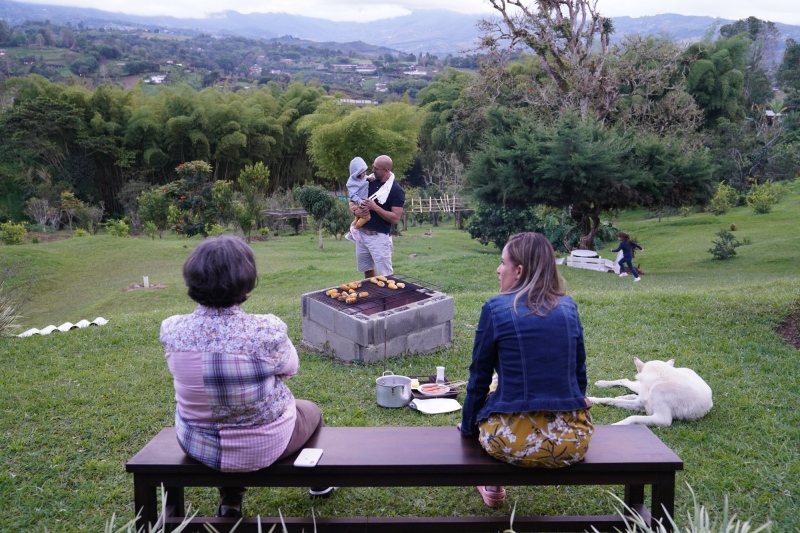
{"points": [[389, 322]]}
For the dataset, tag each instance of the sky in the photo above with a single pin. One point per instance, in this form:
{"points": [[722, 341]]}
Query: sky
{"points": [[786, 11]]}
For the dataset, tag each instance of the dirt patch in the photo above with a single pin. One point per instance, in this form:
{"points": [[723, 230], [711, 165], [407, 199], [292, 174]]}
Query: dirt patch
{"points": [[137, 286], [49, 237], [789, 329]]}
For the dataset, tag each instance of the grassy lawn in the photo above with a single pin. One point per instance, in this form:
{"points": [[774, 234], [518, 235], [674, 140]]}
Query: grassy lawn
{"points": [[75, 406]]}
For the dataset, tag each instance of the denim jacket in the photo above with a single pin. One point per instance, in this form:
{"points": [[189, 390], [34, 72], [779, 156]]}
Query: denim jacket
{"points": [[540, 361]]}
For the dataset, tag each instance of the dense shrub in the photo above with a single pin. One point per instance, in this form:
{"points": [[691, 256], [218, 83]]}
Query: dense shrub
{"points": [[726, 246], [726, 198], [12, 233], [338, 221], [118, 228], [762, 197]]}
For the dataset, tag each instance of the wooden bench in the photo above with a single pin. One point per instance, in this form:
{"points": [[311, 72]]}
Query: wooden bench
{"points": [[593, 263], [631, 456]]}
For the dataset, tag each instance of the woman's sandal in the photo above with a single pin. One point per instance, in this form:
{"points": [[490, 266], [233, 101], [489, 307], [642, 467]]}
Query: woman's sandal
{"points": [[492, 498]]}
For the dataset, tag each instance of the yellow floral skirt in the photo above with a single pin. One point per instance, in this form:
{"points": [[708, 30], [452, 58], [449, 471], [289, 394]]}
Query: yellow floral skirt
{"points": [[541, 439]]}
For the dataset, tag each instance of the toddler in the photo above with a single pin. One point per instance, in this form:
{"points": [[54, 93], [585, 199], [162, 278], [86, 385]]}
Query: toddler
{"points": [[357, 186]]}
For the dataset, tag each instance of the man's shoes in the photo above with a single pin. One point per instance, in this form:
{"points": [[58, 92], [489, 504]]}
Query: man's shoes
{"points": [[623, 274], [349, 236], [492, 498], [227, 511], [325, 492], [636, 279]]}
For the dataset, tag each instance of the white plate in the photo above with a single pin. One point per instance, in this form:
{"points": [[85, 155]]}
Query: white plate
{"points": [[435, 406], [447, 390]]}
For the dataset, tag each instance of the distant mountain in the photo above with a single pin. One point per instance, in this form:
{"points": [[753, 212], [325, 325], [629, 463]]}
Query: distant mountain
{"points": [[437, 32]]}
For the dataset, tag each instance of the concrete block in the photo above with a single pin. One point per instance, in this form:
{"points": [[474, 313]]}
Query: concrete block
{"points": [[396, 347], [357, 327], [401, 322], [321, 313], [430, 339], [435, 311], [342, 348], [314, 334], [370, 353]]}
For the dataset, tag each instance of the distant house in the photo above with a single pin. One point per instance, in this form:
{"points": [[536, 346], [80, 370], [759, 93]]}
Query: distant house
{"points": [[381, 87], [2, 52], [356, 101], [158, 79]]}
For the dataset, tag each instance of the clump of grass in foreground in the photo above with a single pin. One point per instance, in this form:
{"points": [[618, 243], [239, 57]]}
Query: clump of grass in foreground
{"points": [[698, 522]]}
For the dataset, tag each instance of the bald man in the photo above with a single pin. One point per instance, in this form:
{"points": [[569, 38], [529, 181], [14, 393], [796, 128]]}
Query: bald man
{"points": [[375, 249]]}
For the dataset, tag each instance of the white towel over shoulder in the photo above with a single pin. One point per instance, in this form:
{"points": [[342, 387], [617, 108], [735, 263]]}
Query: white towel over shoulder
{"points": [[382, 194]]}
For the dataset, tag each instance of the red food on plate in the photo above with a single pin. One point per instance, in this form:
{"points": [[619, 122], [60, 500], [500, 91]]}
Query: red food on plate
{"points": [[433, 389]]}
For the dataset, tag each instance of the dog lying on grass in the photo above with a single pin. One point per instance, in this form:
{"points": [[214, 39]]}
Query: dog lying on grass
{"points": [[664, 392]]}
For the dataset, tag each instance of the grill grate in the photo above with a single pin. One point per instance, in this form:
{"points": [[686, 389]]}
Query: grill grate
{"points": [[382, 298]]}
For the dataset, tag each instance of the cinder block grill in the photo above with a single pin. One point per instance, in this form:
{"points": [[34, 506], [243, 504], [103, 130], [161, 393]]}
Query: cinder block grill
{"points": [[389, 322]]}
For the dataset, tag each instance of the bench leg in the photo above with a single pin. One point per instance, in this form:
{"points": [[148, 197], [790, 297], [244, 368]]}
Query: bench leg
{"points": [[145, 502], [664, 503], [175, 501], [634, 495]]}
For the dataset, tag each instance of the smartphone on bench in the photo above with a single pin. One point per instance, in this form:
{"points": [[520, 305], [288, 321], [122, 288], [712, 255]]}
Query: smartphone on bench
{"points": [[308, 457]]}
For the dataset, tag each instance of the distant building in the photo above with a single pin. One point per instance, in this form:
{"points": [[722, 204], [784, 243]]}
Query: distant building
{"points": [[356, 101], [158, 79]]}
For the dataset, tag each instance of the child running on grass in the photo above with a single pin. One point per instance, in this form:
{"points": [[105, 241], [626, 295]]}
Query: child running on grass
{"points": [[626, 245]]}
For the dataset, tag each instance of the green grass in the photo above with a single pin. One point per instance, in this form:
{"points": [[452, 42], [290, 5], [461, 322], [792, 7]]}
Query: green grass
{"points": [[75, 406]]}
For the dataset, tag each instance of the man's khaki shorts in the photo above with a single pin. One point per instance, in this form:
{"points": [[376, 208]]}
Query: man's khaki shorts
{"points": [[374, 252]]}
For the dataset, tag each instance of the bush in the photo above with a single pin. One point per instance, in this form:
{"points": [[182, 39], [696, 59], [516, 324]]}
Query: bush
{"points": [[725, 247], [762, 197], [216, 230], [118, 228], [726, 198], [80, 232], [150, 229], [685, 211], [12, 233], [338, 221]]}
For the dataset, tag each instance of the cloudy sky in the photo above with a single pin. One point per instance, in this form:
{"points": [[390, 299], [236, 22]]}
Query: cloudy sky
{"points": [[786, 11]]}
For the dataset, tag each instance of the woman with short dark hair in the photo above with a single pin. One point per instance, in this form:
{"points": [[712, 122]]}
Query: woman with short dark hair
{"points": [[234, 411], [531, 335]]}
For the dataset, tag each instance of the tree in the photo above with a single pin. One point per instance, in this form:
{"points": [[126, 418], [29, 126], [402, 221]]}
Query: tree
{"points": [[154, 208], [69, 206], [338, 220], [338, 133], [761, 57], [789, 73], [253, 182], [317, 202], [40, 127], [37, 208], [716, 78], [578, 166], [571, 41]]}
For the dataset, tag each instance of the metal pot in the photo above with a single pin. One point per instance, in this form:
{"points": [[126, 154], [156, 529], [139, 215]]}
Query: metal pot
{"points": [[393, 391]]}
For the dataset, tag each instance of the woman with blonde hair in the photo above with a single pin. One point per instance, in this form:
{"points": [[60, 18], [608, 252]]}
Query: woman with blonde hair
{"points": [[531, 336]]}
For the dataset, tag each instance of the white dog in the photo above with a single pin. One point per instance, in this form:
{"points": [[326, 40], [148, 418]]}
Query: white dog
{"points": [[663, 392]]}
